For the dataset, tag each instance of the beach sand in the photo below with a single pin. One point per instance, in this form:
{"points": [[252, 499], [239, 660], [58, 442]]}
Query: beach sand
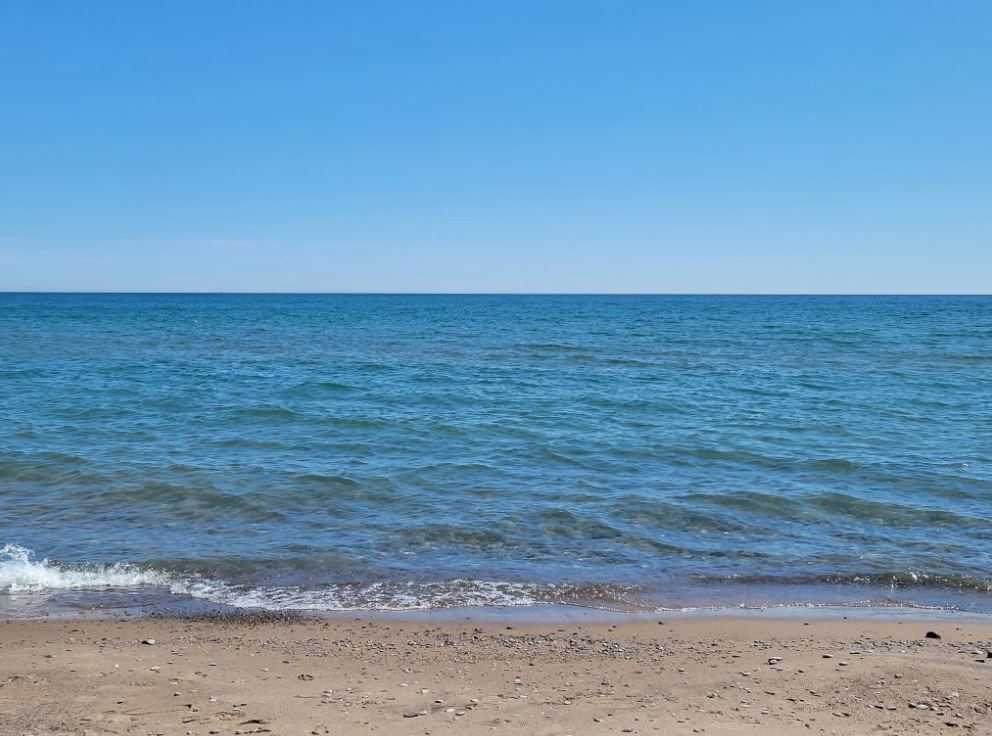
{"points": [[244, 675]]}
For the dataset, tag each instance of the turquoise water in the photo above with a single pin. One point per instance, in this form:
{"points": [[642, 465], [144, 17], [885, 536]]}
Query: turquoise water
{"points": [[340, 452]]}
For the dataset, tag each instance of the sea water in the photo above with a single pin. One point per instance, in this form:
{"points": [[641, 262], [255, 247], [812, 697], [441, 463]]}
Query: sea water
{"points": [[342, 452]]}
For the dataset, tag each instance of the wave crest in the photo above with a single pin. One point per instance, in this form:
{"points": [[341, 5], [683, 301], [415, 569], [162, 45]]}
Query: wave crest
{"points": [[20, 571]]}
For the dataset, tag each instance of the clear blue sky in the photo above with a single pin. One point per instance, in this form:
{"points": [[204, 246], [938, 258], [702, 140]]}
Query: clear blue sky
{"points": [[496, 146]]}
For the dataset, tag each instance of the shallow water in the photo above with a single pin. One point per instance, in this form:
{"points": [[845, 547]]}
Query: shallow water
{"points": [[342, 452]]}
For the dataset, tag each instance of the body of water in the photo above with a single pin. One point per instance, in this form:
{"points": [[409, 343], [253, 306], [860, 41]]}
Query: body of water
{"points": [[355, 452]]}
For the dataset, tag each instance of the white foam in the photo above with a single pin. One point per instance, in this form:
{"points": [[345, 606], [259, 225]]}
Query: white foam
{"points": [[20, 571], [372, 597]]}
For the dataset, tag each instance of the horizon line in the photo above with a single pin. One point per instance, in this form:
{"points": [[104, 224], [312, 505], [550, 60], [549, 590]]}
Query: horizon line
{"points": [[491, 293]]}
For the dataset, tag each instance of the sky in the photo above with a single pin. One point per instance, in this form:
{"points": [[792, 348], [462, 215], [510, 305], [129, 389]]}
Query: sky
{"points": [[616, 146]]}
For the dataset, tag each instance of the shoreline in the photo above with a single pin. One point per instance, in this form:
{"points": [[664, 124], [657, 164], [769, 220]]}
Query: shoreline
{"points": [[534, 614], [31, 586], [264, 673]]}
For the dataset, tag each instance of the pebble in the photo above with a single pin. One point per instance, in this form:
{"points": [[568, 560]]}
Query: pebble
{"points": [[932, 635], [149, 642]]}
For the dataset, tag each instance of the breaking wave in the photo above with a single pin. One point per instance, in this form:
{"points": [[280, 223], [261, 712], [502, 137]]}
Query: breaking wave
{"points": [[20, 571]]}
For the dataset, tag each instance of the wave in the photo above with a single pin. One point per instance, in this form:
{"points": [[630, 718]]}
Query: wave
{"points": [[20, 571]]}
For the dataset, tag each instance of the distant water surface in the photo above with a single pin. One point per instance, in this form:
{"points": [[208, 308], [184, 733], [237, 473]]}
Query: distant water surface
{"points": [[349, 452]]}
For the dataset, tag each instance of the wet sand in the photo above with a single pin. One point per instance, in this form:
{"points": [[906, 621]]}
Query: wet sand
{"points": [[706, 675]]}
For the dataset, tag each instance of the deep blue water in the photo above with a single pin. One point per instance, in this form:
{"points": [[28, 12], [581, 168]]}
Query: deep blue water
{"points": [[393, 451]]}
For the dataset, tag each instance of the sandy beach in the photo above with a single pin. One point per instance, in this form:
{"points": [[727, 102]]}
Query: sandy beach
{"points": [[514, 368], [728, 675]]}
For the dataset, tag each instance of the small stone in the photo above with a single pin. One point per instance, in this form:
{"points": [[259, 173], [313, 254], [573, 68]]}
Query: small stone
{"points": [[149, 642], [411, 713], [305, 677], [828, 656], [932, 635]]}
